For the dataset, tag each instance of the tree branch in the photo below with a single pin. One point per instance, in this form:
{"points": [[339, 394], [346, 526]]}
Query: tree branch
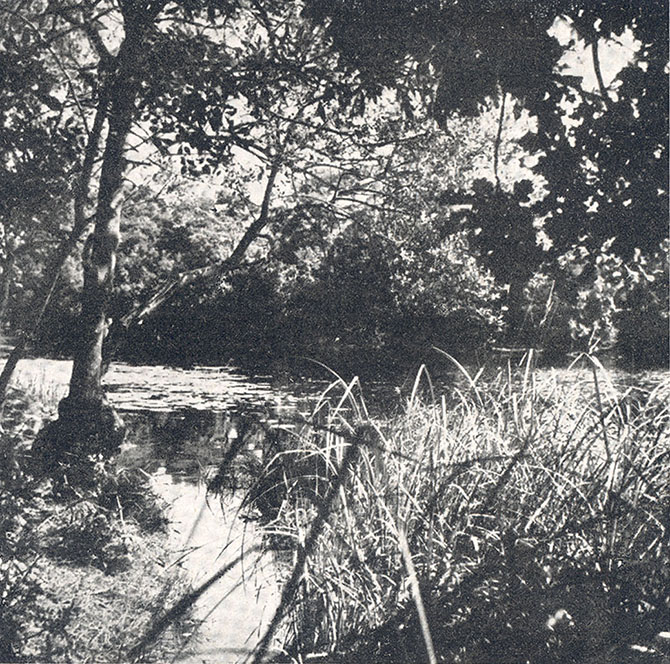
{"points": [[96, 41], [186, 278], [81, 197], [235, 258], [599, 74], [496, 147], [57, 60]]}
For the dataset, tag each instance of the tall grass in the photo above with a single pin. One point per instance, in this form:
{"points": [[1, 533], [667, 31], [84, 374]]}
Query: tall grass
{"points": [[43, 382], [525, 517]]}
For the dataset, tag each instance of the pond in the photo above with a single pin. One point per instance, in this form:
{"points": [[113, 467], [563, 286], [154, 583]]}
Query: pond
{"points": [[183, 423], [181, 450], [180, 425]]}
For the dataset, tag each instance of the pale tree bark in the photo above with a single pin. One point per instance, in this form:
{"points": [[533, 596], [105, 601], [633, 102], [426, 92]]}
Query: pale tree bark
{"points": [[66, 247], [7, 272], [100, 255], [87, 426]]}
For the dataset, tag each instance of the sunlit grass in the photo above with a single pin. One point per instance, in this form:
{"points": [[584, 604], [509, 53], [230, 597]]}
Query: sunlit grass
{"points": [[532, 508]]}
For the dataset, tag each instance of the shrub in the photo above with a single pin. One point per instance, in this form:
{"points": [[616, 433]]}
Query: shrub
{"points": [[31, 621], [596, 303], [80, 575], [534, 514]]}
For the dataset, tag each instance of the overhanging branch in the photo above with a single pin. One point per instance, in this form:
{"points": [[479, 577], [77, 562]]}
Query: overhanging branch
{"points": [[181, 281]]}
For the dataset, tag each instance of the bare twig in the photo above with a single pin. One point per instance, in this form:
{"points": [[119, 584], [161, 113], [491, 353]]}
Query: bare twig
{"points": [[416, 596], [496, 147], [599, 74]]}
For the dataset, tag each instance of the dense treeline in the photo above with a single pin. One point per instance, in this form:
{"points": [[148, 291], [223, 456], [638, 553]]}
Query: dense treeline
{"points": [[356, 298], [359, 301], [345, 199]]}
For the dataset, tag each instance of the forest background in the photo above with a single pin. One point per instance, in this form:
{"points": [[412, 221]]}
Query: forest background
{"points": [[381, 186]]}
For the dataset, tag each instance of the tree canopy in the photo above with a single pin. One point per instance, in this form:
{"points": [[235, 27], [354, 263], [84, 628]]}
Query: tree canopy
{"points": [[336, 133], [603, 153]]}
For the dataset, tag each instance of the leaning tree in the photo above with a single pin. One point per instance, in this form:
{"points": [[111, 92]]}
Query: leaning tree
{"points": [[199, 74]]}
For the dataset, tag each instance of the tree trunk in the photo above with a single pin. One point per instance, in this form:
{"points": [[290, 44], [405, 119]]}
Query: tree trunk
{"points": [[100, 260], [7, 271], [65, 248], [87, 426]]}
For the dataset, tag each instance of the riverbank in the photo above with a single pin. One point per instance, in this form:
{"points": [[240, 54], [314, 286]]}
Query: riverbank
{"points": [[495, 492], [522, 518], [83, 572]]}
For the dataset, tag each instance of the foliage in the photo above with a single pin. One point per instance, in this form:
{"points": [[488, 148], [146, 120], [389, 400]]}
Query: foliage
{"points": [[473, 48], [335, 297], [77, 578], [29, 616], [168, 234], [605, 158], [34, 180], [93, 530], [602, 303], [642, 318], [336, 132], [363, 260], [601, 156], [534, 514]]}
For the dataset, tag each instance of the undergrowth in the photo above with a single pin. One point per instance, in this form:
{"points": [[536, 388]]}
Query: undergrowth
{"points": [[81, 573], [517, 519]]}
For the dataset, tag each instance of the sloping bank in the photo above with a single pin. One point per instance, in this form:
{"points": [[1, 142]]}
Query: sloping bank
{"points": [[82, 571]]}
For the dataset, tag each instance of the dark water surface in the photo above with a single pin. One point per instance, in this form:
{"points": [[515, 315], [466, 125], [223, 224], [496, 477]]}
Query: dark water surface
{"points": [[181, 423]]}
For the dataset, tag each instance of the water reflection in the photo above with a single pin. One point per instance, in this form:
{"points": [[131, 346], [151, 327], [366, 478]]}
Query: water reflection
{"points": [[191, 445], [183, 450], [236, 611]]}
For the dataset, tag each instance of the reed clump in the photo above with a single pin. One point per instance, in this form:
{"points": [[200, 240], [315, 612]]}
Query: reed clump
{"points": [[523, 518]]}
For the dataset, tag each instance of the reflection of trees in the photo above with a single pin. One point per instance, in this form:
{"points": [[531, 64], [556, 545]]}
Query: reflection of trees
{"points": [[190, 443]]}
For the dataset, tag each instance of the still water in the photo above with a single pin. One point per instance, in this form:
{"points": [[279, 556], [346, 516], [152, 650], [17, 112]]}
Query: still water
{"points": [[181, 423], [182, 450]]}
